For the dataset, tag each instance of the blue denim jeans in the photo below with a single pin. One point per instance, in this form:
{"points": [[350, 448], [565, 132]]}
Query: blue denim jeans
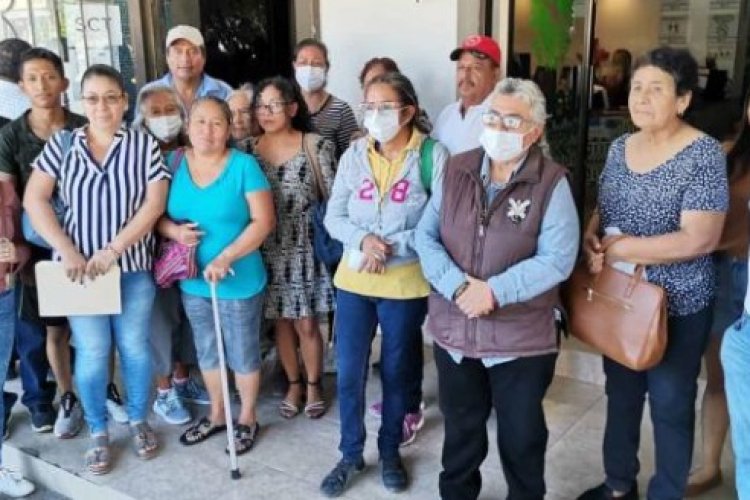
{"points": [[240, 326], [7, 328], [731, 285], [92, 336], [671, 387], [400, 321], [31, 344], [735, 358]]}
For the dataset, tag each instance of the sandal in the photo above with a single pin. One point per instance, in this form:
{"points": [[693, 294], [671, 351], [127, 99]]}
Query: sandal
{"points": [[316, 409], [244, 437], [144, 440], [98, 458], [201, 431], [287, 409]]}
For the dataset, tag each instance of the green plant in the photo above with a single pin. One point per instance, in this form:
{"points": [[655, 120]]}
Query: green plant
{"points": [[550, 24]]}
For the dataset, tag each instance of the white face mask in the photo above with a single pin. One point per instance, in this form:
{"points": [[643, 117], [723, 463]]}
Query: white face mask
{"points": [[165, 128], [310, 78], [382, 125], [501, 145]]}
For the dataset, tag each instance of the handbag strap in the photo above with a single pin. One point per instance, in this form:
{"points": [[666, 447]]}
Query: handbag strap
{"points": [[638, 273], [175, 160], [308, 145]]}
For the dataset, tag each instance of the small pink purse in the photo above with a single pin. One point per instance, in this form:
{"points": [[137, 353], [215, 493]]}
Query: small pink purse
{"points": [[175, 261]]}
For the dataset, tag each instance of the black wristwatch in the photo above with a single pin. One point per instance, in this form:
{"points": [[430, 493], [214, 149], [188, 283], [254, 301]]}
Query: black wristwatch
{"points": [[461, 289]]}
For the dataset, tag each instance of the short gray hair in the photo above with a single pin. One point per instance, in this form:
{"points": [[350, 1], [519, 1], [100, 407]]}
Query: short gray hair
{"points": [[150, 90], [246, 88], [530, 93]]}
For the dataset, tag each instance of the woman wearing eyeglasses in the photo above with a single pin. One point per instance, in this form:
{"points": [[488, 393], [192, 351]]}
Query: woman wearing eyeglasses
{"points": [[496, 240], [381, 188], [113, 185], [299, 288]]}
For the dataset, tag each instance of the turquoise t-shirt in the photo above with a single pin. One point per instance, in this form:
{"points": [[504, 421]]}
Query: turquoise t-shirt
{"points": [[222, 213]]}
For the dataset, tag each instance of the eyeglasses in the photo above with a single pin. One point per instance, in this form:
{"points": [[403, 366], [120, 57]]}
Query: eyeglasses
{"points": [[380, 106], [109, 99], [508, 122], [273, 108]]}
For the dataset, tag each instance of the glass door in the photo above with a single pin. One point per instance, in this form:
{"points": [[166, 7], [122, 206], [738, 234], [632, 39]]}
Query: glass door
{"points": [[580, 52], [550, 44], [82, 32]]}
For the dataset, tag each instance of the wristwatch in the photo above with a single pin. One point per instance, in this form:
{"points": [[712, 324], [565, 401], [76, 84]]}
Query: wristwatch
{"points": [[461, 289]]}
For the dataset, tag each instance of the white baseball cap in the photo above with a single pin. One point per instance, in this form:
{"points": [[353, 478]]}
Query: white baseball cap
{"points": [[185, 32]]}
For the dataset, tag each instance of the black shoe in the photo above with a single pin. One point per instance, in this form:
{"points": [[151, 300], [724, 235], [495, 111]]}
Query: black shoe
{"points": [[394, 475], [339, 478], [603, 492], [43, 418], [12, 397]]}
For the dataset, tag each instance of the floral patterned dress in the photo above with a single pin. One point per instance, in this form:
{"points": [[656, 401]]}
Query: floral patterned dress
{"points": [[298, 285]]}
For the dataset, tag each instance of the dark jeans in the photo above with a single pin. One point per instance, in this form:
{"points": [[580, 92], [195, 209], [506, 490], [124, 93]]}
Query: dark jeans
{"points": [[31, 344], [468, 391], [414, 395], [671, 388], [400, 320]]}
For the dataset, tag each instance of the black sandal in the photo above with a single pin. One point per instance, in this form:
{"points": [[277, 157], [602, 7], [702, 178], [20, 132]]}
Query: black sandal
{"points": [[201, 431], [244, 437], [288, 409], [316, 409]]}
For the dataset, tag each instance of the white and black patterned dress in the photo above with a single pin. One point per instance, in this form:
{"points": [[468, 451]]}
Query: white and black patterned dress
{"points": [[298, 285]]}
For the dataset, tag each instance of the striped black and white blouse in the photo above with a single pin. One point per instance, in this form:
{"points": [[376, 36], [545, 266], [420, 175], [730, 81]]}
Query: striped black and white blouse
{"points": [[336, 122], [100, 200]]}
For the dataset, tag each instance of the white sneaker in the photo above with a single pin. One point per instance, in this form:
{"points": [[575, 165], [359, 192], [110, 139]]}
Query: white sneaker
{"points": [[115, 406], [13, 484], [69, 417]]}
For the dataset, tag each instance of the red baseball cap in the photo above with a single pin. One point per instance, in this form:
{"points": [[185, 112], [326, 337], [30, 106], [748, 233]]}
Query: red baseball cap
{"points": [[479, 43]]}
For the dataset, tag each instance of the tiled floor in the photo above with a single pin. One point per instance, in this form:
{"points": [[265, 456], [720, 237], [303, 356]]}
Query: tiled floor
{"points": [[292, 456]]}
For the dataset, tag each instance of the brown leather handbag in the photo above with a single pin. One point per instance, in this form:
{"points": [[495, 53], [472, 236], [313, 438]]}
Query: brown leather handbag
{"points": [[618, 314]]}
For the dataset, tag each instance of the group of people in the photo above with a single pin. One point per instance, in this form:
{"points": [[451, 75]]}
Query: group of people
{"points": [[468, 223]]}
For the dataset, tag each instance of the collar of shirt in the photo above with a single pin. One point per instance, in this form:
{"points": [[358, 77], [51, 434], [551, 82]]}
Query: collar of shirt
{"points": [[484, 173], [70, 123], [475, 109], [79, 143], [207, 86], [415, 142]]}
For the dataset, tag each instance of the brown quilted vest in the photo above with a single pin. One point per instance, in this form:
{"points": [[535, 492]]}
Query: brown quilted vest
{"points": [[485, 241]]}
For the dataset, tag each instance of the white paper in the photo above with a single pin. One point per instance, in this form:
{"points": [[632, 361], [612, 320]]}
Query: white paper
{"points": [[58, 296], [625, 267]]}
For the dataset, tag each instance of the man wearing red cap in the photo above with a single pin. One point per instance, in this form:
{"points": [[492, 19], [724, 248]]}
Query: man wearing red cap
{"points": [[477, 72]]}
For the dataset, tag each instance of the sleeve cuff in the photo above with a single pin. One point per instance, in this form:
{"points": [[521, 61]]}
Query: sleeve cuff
{"points": [[450, 282], [500, 289], [355, 241]]}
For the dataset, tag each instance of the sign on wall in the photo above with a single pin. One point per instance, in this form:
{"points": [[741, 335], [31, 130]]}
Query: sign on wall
{"points": [[101, 24]]}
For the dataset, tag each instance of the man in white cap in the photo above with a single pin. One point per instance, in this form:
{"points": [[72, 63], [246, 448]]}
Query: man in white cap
{"points": [[459, 125], [186, 58]]}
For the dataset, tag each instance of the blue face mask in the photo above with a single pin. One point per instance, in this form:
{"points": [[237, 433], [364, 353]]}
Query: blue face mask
{"points": [[310, 78]]}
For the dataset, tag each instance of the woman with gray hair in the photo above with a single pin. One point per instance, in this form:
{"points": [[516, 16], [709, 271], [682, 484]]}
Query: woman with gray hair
{"points": [[492, 309], [161, 113]]}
